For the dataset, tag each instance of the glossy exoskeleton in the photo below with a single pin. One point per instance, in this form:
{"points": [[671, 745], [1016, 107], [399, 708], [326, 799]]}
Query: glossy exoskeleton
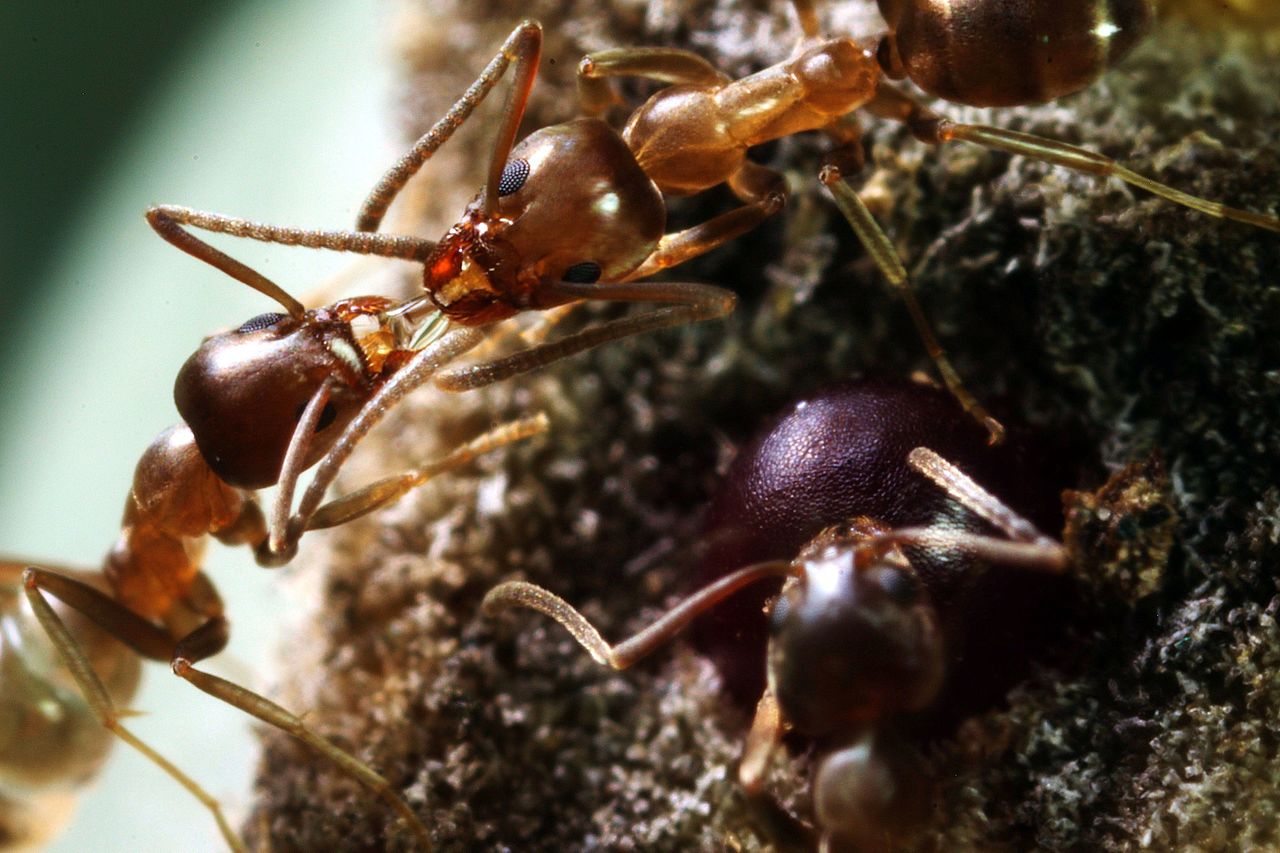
{"points": [[888, 611], [261, 404], [575, 211]]}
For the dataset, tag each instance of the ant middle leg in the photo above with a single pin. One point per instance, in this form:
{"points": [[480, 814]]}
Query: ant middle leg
{"points": [[933, 129]]}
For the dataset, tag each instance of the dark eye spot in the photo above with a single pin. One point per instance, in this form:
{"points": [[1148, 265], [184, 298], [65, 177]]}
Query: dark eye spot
{"points": [[514, 174], [778, 613], [327, 415], [901, 587], [583, 273], [262, 321]]}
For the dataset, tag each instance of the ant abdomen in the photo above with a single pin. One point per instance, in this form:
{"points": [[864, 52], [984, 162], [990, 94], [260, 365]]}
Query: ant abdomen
{"points": [[840, 454], [989, 54]]}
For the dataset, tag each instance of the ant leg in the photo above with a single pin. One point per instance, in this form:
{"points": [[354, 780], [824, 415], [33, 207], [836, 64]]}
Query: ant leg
{"points": [[209, 639], [932, 129], [376, 495], [665, 65], [281, 545], [695, 302], [808, 18], [627, 652], [964, 490], [767, 728], [763, 191], [524, 47], [140, 635], [877, 244]]}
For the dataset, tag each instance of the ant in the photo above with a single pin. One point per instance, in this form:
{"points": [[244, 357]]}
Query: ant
{"points": [[260, 404], [575, 211], [882, 621]]}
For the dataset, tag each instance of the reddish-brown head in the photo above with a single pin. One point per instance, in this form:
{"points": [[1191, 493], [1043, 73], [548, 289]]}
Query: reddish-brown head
{"points": [[572, 205], [243, 391]]}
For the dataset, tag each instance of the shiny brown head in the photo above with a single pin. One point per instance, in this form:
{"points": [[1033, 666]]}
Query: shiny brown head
{"points": [[243, 392], [572, 205]]}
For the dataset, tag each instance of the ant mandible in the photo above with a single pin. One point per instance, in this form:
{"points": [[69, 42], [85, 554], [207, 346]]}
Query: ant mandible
{"points": [[864, 641], [260, 405]]}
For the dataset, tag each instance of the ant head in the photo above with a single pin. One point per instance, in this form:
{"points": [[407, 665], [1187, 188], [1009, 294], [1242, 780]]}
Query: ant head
{"points": [[870, 790], [242, 392], [854, 635], [572, 205]]}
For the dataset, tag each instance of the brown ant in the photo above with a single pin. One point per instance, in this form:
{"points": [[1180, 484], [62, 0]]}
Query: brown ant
{"points": [[260, 405], [880, 626], [575, 210]]}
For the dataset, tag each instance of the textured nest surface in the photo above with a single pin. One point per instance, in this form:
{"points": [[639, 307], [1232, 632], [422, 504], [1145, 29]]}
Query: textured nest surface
{"points": [[1075, 304]]}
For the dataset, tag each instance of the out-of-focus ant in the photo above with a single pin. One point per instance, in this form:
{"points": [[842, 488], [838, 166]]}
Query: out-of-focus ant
{"points": [[575, 211], [917, 583], [260, 404]]}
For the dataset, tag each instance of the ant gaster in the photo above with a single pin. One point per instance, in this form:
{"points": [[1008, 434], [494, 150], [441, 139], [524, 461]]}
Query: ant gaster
{"points": [[261, 404], [575, 211], [855, 640]]}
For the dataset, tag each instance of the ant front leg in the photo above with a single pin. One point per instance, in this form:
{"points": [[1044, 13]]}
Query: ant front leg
{"points": [[694, 303], [767, 728], [140, 635], [287, 528], [933, 129]]}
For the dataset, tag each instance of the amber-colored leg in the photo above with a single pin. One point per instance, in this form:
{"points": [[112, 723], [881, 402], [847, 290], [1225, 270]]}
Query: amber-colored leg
{"points": [[212, 636], [933, 129], [136, 632], [662, 64], [886, 258], [695, 302], [767, 728], [627, 652], [523, 47], [763, 191], [390, 489]]}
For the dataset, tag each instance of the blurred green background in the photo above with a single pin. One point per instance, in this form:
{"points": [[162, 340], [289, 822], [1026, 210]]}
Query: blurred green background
{"points": [[273, 111]]}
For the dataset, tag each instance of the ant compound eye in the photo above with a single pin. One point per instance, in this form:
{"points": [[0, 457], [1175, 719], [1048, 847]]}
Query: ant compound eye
{"points": [[514, 174], [583, 273], [901, 587], [262, 321], [327, 415], [778, 614]]}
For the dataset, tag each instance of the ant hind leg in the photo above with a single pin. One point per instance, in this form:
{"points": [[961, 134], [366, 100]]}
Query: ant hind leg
{"points": [[139, 634]]}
